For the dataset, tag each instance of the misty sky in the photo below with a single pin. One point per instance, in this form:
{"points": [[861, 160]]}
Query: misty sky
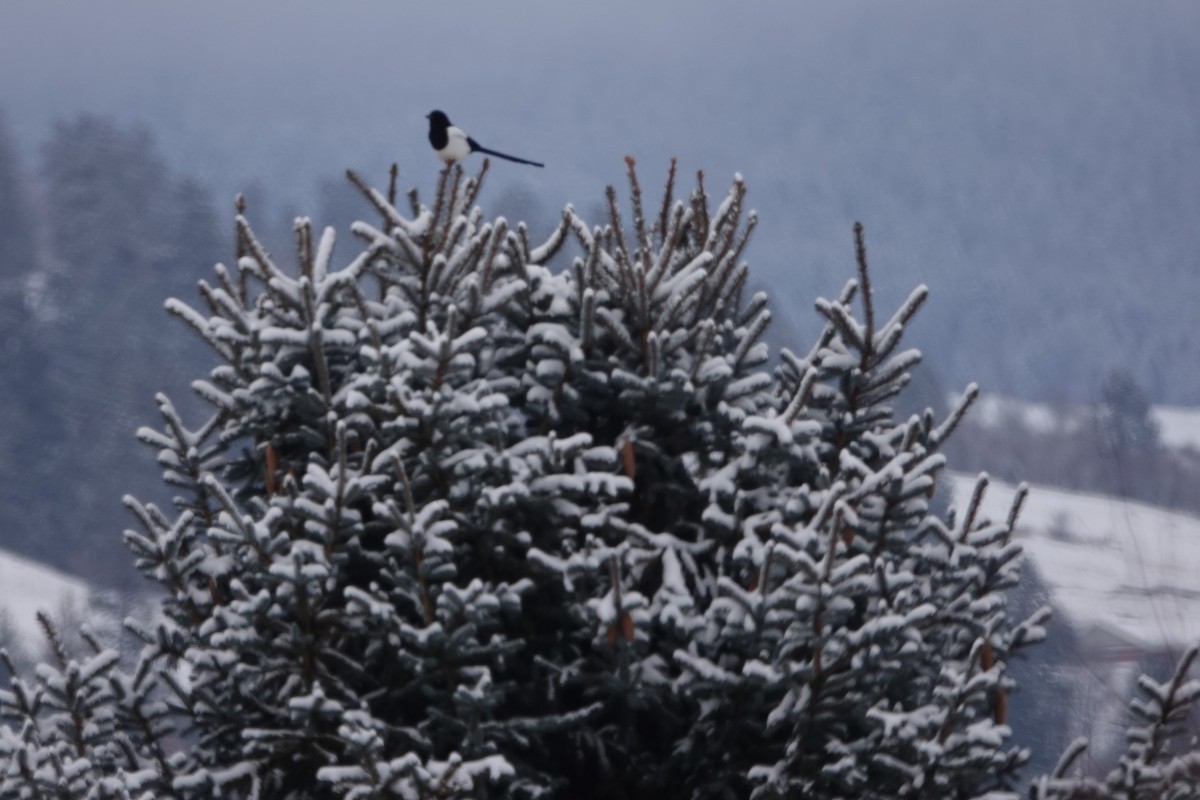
{"points": [[980, 143]]}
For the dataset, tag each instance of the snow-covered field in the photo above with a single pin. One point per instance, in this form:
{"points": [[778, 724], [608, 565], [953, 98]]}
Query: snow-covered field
{"points": [[1113, 565], [27, 587], [1178, 427]]}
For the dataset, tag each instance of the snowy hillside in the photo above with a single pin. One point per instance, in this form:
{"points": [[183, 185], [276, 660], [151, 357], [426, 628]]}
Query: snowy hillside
{"points": [[27, 587], [1179, 427], [994, 411], [1115, 566]]}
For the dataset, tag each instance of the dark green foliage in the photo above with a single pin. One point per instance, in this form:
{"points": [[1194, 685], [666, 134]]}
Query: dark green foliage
{"points": [[1160, 762], [460, 524]]}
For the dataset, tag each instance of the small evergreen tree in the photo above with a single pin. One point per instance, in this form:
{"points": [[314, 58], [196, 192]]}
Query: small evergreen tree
{"points": [[1123, 416], [1161, 761], [461, 523]]}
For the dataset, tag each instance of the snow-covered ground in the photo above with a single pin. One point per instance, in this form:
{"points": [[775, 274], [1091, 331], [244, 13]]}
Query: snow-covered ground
{"points": [[1178, 427], [27, 587], [1113, 565]]}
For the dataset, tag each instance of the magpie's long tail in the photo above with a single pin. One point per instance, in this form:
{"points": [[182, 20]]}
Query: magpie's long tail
{"points": [[506, 156]]}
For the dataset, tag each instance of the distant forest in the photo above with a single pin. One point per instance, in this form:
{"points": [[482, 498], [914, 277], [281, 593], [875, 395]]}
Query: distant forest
{"points": [[92, 240]]}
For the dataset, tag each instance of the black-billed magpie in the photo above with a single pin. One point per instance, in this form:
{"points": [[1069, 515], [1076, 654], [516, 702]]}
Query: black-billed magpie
{"points": [[452, 145]]}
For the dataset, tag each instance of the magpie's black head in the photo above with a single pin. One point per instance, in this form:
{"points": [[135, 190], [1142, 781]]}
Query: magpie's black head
{"points": [[437, 119]]}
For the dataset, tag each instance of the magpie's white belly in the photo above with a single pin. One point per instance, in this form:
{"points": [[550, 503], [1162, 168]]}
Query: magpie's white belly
{"points": [[456, 149]]}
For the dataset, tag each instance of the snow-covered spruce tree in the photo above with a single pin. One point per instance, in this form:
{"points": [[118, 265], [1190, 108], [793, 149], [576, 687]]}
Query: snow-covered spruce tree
{"points": [[867, 635], [462, 525], [1161, 761]]}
